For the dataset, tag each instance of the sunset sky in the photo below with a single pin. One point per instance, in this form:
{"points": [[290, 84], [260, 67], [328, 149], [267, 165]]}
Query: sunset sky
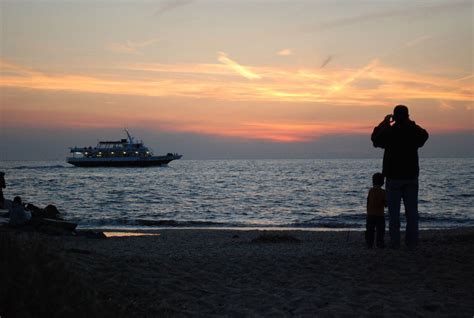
{"points": [[276, 76]]}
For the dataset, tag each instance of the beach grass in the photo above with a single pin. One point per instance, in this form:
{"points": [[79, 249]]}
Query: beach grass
{"points": [[36, 281]]}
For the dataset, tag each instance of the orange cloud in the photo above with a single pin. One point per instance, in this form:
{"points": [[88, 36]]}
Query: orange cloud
{"points": [[284, 92], [335, 86]]}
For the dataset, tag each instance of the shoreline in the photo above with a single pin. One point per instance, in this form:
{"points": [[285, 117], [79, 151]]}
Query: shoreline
{"points": [[203, 272], [223, 228], [256, 229]]}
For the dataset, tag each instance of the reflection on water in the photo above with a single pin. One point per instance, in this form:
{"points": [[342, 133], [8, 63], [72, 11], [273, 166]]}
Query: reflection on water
{"points": [[126, 234]]}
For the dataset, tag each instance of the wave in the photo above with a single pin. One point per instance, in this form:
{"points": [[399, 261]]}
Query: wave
{"points": [[463, 195], [179, 223], [154, 223], [39, 167], [175, 223], [331, 222]]}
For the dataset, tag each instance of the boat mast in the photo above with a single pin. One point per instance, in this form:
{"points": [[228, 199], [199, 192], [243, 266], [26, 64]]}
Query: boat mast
{"points": [[130, 138]]}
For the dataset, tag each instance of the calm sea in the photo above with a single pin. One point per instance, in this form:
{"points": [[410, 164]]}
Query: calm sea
{"points": [[235, 193]]}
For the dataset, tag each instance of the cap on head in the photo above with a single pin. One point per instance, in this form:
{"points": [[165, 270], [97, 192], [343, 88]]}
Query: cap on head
{"points": [[2, 173], [400, 112]]}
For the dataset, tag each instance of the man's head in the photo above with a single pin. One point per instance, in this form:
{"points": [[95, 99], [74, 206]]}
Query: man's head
{"points": [[400, 113], [378, 179]]}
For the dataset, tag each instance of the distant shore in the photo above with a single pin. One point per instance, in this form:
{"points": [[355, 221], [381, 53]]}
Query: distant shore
{"points": [[204, 272]]}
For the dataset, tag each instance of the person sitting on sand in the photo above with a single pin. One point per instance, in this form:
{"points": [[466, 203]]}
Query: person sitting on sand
{"points": [[18, 215], [376, 202], [2, 186]]}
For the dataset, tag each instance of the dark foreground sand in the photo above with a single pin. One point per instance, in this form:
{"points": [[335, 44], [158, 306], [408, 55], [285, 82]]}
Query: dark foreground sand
{"points": [[224, 273]]}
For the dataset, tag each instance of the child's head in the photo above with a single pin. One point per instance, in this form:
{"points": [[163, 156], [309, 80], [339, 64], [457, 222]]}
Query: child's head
{"points": [[378, 179], [17, 200]]}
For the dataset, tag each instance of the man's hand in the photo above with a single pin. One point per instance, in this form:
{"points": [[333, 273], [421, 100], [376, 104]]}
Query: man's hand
{"points": [[388, 119]]}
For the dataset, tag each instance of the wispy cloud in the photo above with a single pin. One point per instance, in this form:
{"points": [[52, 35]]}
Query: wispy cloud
{"points": [[244, 71], [418, 40], [285, 52], [354, 76], [169, 5], [130, 47], [412, 11], [443, 106], [465, 77]]}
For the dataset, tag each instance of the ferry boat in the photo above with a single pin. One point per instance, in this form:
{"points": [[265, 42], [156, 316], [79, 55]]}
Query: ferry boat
{"points": [[122, 153]]}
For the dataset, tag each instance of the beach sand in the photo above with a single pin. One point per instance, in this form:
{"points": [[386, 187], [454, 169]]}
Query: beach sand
{"points": [[203, 272]]}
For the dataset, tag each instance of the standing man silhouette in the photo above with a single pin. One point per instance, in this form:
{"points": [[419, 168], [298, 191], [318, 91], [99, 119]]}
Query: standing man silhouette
{"points": [[401, 138], [2, 186]]}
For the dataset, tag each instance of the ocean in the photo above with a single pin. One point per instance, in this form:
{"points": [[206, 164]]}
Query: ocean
{"points": [[311, 194]]}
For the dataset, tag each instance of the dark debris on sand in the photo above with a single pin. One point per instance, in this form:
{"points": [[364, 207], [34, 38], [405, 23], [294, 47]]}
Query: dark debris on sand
{"points": [[275, 238]]}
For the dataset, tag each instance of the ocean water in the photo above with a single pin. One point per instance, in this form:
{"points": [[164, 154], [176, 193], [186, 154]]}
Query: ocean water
{"points": [[316, 194]]}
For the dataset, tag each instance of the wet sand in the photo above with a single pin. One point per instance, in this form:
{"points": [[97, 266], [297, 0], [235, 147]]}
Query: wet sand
{"points": [[226, 273]]}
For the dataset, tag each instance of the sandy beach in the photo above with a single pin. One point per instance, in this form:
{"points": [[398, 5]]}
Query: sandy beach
{"points": [[236, 273]]}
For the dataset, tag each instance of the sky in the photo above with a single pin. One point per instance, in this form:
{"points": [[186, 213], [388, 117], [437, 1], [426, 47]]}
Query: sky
{"points": [[233, 79]]}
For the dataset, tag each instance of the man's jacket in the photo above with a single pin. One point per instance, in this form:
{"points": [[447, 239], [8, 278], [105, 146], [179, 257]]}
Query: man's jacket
{"points": [[401, 142]]}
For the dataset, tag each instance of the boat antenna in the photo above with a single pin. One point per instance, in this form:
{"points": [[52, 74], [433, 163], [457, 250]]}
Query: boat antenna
{"points": [[130, 138]]}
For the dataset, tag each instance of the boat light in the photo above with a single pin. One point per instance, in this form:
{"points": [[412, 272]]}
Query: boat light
{"points": [[86, 153], [112, 152], [136, 152], [124, 153]]}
